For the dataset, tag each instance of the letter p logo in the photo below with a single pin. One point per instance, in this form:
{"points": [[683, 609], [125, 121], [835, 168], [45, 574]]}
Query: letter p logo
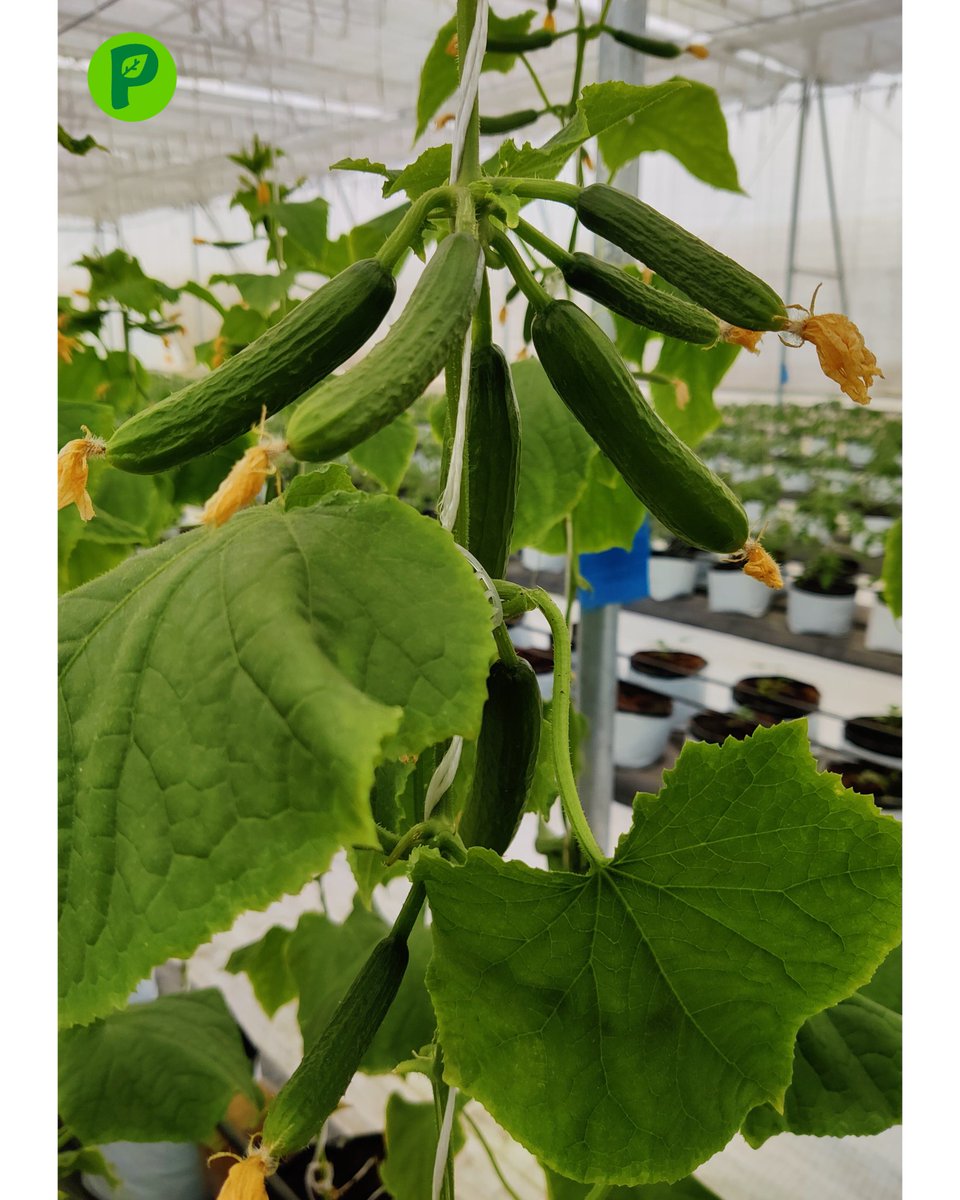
{"points": [[132, 77]]}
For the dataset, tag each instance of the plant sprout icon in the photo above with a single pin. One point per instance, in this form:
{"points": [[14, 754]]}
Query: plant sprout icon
{"points": [[133, 66]]}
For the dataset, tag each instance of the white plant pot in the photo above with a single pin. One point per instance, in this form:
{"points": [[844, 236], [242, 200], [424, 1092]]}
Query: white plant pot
{"points": [[523, 635], [670, 577], [545, 684], [808, 612], [732, 591], [813, 445], [859, 454], [884, 631], [878, 524], [747, 474], [537, 562], [639, 739], [796, 481], [687, 694]]}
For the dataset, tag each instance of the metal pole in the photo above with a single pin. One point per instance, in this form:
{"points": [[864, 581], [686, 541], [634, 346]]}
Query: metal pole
{"points": [[832, 200], [794, 221], [597, 647]]}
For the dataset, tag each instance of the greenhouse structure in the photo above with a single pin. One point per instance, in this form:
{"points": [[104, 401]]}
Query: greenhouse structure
{"points": [[479, 558]]}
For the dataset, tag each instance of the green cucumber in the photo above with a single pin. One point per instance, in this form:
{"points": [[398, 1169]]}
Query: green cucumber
{"points": [[645, 45], [508, 121], [520, 43], [506, 757], [491, 462], [708, 277], [345, 411], [593, 381], [640, 302], [315, 1089], [300, 350]]}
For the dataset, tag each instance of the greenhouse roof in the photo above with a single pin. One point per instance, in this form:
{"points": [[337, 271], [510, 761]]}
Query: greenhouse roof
{"points": [[326, 78]]}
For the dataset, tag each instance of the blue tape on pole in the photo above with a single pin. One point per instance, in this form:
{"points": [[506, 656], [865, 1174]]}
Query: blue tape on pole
{"points": [[617, 576]]}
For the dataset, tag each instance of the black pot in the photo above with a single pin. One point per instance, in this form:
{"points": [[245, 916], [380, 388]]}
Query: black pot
{"points": [[789, 700], [631, 698], [716, 727], [884, 784], [539, 657], [667, 664], [880, 735]]}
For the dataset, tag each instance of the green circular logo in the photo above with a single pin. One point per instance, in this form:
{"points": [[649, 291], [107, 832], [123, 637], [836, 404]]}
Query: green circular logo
{"points": [[132, 77]]}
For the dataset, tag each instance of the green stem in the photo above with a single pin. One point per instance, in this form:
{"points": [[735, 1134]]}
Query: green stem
{"points": [[483, 317], [537, 296], [534, 189], [488, 1150], [581, 31], [505, 647], [560, 710], [407, 917], [599, 1191], [604, 12], [549, 248], [536, 82], [392, 249], [413, 837]]}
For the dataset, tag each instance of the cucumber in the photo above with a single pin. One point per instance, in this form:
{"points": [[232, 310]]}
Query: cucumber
{"points": [[520, 43], [710, 278], [345, 411], [309, 343], [508, 121], [640, 302], [316, 1087], [506, 757], [593, 381], [645, 45], [491, 468]]}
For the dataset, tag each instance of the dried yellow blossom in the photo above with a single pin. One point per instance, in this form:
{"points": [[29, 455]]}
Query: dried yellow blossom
{"points": [[681, 394], [243, 484], [263, 192], [219, 351], [453, 46], [245, 1180], [646, 275], [759, 565], [72, 472], [66, 346], [550, 23], [748, 338], [698, 51], [444, 119], [503, 315], [844, 357]]}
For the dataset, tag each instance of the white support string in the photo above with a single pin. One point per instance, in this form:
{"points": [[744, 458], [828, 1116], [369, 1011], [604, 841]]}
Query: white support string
{"points": [[443, 1143], [469, 86], [449, 503], [487, 582]]}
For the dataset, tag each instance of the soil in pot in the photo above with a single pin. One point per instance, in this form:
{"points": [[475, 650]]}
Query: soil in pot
{"points": [[884, 784], [631, 698], [776, 696], [880, 735], [716, 727], [667, 664], [843, 585], [539, 657]]}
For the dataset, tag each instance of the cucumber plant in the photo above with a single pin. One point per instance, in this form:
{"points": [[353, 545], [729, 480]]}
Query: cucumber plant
{"points": [[331, 671]]}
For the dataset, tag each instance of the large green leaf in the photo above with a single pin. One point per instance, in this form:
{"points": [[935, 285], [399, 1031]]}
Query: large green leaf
{"points": [[265, 964], [261, 292], [387, 454], [700, 369], [224, 701], [430, 170], [886, 987], [323, 959], [559, 1188], [608, 514], [555, 454], [362, 241], [305, 222], [159, 1072], [689, 124], [411, 1136], [661, 995], [846, 1076], [118, 276], [438, 75]]}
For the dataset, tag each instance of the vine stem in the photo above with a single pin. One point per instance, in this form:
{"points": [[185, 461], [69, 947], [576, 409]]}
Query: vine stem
{"points": [[534, 189], [561, 729], [488, 1150], [599, 1191], [411, 223], [536, 294]]}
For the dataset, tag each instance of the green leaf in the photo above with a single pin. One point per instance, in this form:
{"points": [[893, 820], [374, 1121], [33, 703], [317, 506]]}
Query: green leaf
{"points": [[369, 870], [700, 369], [438, 75], [362, 241], [411, 1136], [117, 276], [430, 170], [265, 965], [305, 490], [192, 288], [224, 701], [847, 1076], [305, 222], [600, 106], [323, 959], [159, 1072], [86, 1160], [365, 166], [661, 995], [80, 146], [261, 292], [386, 455], [689, 124], [559, 1188], [893, 569], [886, 987], [608, 514], [555, 454]]}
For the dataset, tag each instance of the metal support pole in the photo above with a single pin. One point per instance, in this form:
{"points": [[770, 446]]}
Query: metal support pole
{"points": [[794, 222], [832, 201], [597, 646]]}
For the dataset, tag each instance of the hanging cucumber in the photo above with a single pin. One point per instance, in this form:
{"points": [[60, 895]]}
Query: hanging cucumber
{"points": [[520, 43], [645, 45], [710, 278], [491, 468], [347, 410], [508, 121], [506, 756], [299, 351], [592, 379]]}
